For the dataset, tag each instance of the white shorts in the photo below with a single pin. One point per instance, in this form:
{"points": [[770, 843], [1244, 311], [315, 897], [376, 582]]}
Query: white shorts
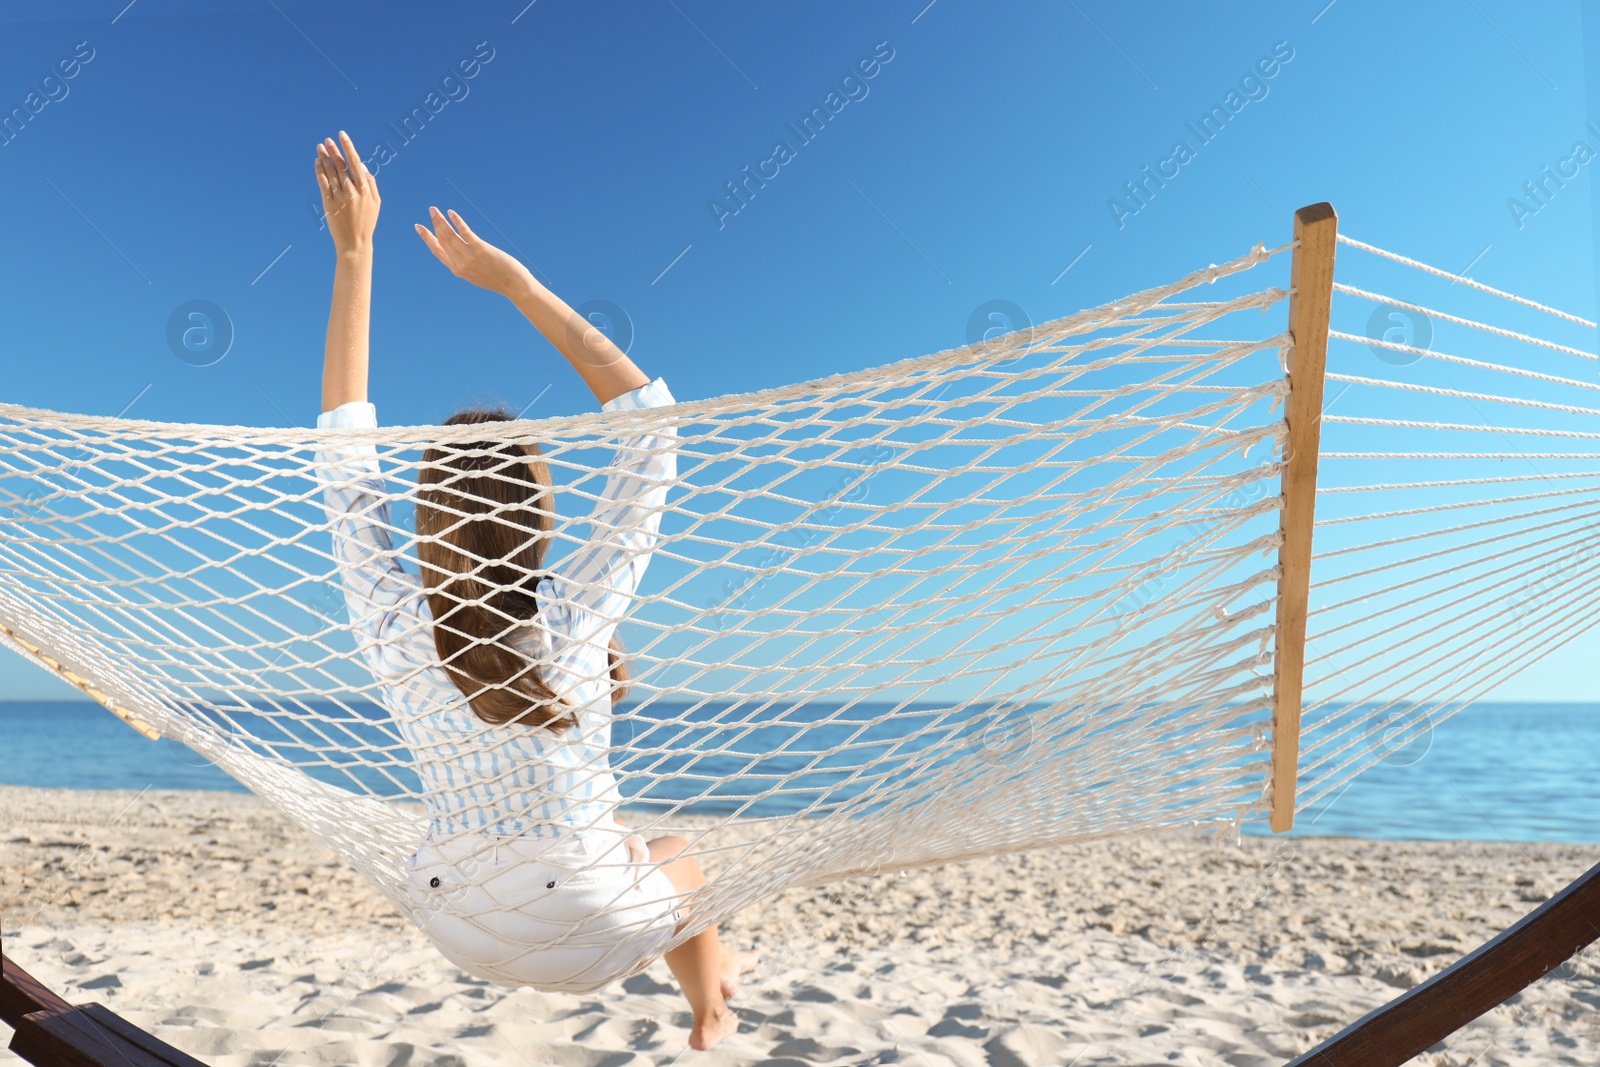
{"points": [[517, 912]]}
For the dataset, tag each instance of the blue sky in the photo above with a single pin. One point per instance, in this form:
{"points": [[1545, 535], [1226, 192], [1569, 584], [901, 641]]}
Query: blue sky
{"points": [[978, 162]]}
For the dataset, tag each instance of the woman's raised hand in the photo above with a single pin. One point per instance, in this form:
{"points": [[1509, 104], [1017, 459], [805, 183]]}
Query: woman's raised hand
{"points": [[469, 256], [349, 194]]}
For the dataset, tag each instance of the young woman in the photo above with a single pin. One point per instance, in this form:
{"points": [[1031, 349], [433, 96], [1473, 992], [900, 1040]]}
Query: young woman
{"points": [[501, 675]]}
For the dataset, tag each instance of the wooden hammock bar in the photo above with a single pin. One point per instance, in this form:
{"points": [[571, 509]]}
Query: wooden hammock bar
{"points": [[28, 648], [50, 1032], [1490, 975], [1316, 231]]}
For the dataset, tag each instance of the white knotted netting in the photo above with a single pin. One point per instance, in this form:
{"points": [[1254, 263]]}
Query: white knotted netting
{"points": [[994, 598]]}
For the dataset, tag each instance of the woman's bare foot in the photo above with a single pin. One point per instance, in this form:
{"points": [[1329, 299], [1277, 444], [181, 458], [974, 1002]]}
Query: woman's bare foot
{"points": [[708, 1031], [735, 964]]}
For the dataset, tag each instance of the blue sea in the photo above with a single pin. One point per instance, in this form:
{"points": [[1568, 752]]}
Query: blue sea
{"points": [[1494, 772]]}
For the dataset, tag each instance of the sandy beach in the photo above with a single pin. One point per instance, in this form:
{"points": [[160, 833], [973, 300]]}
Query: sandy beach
{"points": [[206, 919]]}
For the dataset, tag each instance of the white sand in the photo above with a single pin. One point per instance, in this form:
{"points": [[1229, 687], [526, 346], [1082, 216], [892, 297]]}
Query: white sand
{"points": [[205, 919]]}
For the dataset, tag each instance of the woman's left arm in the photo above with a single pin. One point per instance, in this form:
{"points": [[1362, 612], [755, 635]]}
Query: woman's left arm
{"points": [[386, 608], [350, 201]]}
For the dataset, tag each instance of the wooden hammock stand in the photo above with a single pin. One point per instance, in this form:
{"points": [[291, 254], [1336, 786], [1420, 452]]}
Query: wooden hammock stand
{"points": [[49, 1032]]}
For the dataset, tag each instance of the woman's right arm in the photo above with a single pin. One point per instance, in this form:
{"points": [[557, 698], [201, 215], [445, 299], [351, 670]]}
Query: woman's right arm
{"points": [[604, 367], [598, 580], [596, 583]]}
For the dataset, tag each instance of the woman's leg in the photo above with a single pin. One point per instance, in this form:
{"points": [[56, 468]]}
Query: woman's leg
{"points": [[705, 970]]}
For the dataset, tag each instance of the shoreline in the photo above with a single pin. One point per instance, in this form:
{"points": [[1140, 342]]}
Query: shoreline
{"points": [[1254, 828], [203, 916]]}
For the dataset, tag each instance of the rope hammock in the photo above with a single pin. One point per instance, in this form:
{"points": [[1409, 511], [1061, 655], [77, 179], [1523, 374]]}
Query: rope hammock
{"points": [[1000, 597]]}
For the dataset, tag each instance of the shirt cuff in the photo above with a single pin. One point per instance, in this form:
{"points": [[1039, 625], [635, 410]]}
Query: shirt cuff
{"points": [[653, 395], [356, 415]]}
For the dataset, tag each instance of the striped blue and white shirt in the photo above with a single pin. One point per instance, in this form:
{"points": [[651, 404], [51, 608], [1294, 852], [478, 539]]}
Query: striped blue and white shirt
{"points": [[502, 780]]}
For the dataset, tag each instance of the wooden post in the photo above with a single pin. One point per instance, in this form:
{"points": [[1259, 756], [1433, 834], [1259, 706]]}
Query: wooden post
{"points": [[1316, 230]]}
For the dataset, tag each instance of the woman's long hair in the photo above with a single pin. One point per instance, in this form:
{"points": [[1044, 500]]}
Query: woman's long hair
{"points": [[483, 525]]}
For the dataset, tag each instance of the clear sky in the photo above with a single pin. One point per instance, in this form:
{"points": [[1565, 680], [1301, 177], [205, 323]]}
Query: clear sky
{"points": [[977, 162]]}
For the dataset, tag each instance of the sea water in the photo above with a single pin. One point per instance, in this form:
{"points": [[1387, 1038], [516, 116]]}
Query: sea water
{"points": [[1494, 772]]}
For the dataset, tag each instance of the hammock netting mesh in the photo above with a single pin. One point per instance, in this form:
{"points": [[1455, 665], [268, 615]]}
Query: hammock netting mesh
{"points": [[990, 599]]}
